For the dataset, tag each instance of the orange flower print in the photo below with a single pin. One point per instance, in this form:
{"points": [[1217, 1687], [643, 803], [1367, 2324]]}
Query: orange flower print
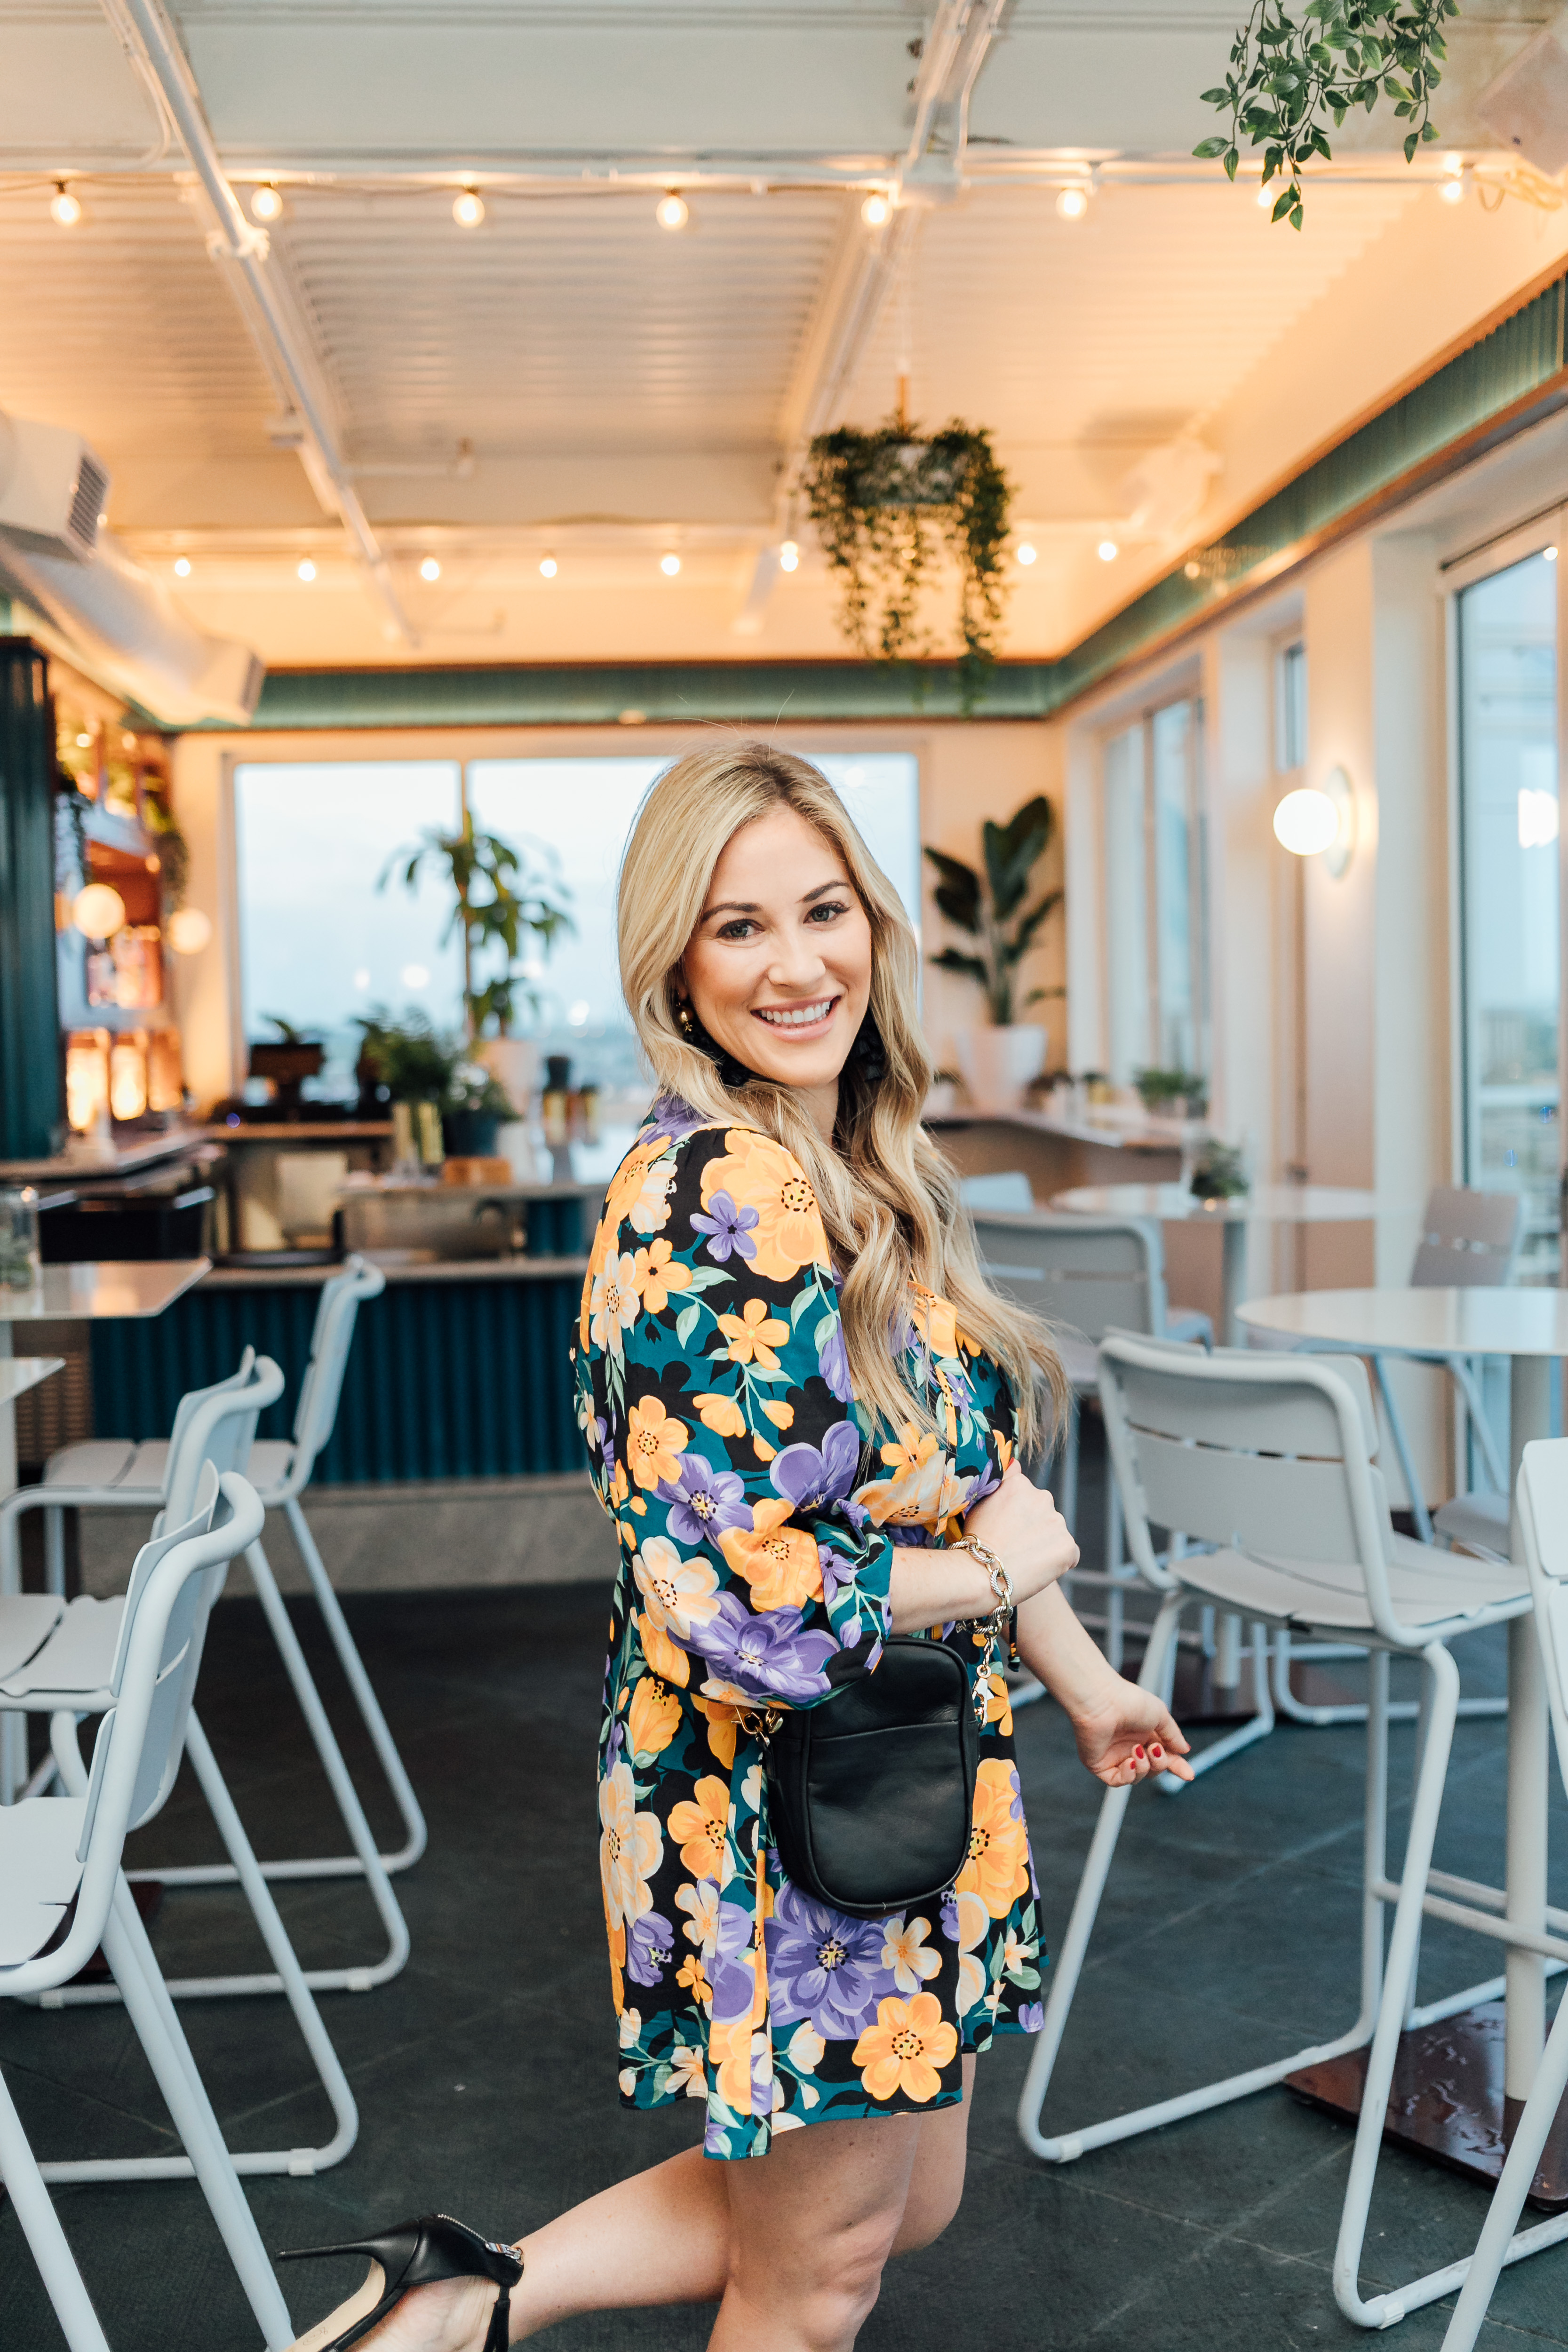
{"points": [[720, 1730], [656, 1276], [654, 1717], [630, 1848], [699, 1898], [639, 1189], [999, 1705], [935, 1321], [703, 1827], [907, 1953], [687, 2075], [780, 1415], [997, 1869], [614, 1305], [922, 1492], [973, 1921], [679, 1593], [906, 2049], [668, 1663], [654, 1441], [722, 1414], [692, 1975], [760, 1174], [729, 2053], [778, 1561], [754, 1333]]}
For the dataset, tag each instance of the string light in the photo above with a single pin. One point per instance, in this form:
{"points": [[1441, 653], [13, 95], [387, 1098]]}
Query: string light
{"points": [[549, 567], [673, 211], [1454, 189], [307, 569], [789, 556], [1549, 554], [188, 930], [669, 564], [429, 569], [65, 210], [468, 209], [1264, 198], [1023, 553], [1107, 551], [1072, 204], [182, 567], [265, 203], [876, 209], [97, 912]]}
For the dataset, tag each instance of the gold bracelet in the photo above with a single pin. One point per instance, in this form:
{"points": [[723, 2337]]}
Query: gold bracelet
{"points": [[1001, 1582]]}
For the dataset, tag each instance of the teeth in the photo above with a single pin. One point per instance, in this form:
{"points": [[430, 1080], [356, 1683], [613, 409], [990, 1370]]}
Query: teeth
{"points": [[800, 1018]]}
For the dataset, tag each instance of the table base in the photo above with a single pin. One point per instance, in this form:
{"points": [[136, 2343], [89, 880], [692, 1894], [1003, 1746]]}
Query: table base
{"points": [[1447, 2100]]}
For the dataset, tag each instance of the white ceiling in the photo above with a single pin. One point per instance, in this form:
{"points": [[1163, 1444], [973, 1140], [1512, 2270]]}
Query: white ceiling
{"points": [[624, 389]]}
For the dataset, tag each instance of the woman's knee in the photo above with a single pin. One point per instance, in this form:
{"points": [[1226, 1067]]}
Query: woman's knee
{"points": [[829, 2284]]}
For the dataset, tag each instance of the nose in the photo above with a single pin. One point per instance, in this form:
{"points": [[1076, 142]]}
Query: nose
{"points": [[798, 965]]}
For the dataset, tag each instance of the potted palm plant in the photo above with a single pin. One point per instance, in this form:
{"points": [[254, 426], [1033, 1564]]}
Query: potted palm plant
{"points": [[999, 1060]]}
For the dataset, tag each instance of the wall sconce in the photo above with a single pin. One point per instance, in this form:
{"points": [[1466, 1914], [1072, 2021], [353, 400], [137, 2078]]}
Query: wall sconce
{"points": [[97, 912], [127, 1075], [87, 1079], [1319, 821], [166, 1076]]}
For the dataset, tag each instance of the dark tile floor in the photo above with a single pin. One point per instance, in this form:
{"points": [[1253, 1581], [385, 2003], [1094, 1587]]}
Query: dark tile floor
{"points": [[485, 2072]]}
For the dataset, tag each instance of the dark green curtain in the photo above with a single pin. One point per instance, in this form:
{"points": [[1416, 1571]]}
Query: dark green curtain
{"points": [[30, 1103]]}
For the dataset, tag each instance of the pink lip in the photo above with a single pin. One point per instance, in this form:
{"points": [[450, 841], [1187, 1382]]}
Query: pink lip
{"points": [[806, 1030]]}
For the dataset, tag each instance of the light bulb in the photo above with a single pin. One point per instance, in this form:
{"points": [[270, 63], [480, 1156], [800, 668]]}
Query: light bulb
{"points": [[265, 203], [1025, 552], [548, 566], [1107, 551], [429, 569], [182, 567], [669, 564], [188, 930], [789, 556], [1072, 204], [1265, 198], [468, 210], [1549, 554], [97, 912], [64, 209], [673, 211], [875, 210], [1306, 823], [307, 569], [1452, 190]]}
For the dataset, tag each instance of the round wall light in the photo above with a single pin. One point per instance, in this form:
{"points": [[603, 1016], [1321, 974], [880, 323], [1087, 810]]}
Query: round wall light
{"points": [[266, 202], [669, 564], [468, 208], [97, 912], [672, 211], [188, 930], [1026, 553], [548, 567], [1319, 821], [789, 556], [876, 210], [1072, 204], [429, 569]]}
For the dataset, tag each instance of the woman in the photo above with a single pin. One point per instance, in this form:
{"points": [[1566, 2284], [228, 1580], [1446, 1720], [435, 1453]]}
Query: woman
{"points": [[801, 1401]]}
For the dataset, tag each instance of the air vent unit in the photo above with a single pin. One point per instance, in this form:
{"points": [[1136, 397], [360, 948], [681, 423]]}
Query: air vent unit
{"points": [[52, 489]]}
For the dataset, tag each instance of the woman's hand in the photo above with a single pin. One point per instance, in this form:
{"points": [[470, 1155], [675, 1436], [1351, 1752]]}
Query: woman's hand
{"points": [[1126, 1733], [1024, 1527]]}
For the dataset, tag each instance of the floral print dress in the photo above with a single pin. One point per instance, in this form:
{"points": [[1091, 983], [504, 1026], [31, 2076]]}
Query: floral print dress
{"points": [[758, 1514]]}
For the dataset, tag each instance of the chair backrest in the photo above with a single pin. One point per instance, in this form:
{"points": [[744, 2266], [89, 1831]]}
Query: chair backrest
{"points": [[1543, 1524], [1468, 1239], [191, 1401], [329, 1343], [1268, 1455], [227, 1519], [1093, 1273], [1006, 1190]]}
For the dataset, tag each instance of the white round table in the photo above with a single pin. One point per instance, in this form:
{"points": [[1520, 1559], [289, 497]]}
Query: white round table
{"points": [[1282, 1204], [1530, 1327]]}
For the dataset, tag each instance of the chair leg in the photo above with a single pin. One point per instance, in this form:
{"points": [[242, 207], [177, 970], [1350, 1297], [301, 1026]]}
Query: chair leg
{"points": [[157, 2028], [1258, 1725], [40, 2226], [1469, 1389], [1497, 2244], [1418, 1510], [1384, 2310]]}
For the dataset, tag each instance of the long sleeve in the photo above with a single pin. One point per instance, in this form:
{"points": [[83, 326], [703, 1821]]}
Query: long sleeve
{"points": [[729, 1449]]}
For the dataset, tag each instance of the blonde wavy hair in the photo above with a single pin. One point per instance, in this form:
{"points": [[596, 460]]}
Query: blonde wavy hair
{"points": [[889, 1199]]}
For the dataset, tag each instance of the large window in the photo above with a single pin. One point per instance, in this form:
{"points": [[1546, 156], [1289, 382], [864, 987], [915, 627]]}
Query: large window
{"points": [[1508, 744], [1156, 894], [320, 943]]}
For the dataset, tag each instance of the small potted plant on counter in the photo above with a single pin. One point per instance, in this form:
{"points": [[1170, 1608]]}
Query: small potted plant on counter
{"points": [[1219, 1171], [1173, 1094], [1001, 1059]]}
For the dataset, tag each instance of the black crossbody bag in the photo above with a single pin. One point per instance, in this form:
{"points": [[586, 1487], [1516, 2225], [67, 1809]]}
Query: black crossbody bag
{"points": [[872, 1793]]}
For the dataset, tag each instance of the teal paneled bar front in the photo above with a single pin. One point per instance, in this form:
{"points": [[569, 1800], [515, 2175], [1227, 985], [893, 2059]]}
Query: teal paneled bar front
{"points": [[451, 1376]]}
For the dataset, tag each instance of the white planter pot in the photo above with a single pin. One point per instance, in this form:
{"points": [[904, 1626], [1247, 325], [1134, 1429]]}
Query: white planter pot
{"points": [[998, 1065], [513, 1063]]}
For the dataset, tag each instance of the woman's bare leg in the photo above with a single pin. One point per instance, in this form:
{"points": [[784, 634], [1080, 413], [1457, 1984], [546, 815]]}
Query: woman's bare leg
{"points": [[936, 2182], [662, 2236]]}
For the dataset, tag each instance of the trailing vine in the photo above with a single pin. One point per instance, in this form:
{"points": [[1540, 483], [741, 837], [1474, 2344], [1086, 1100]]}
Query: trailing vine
{"points": [[885, 505], [1289, 73]]}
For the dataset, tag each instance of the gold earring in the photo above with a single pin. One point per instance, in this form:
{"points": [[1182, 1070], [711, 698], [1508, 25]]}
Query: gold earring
{"points": [[683, 1019]]}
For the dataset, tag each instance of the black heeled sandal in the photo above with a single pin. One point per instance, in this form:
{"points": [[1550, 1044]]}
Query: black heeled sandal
{"points": [[419, 2252]]}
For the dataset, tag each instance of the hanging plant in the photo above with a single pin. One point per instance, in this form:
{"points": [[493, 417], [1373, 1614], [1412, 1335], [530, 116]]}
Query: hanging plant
{"points": [[1288, 73], [886, 504]]}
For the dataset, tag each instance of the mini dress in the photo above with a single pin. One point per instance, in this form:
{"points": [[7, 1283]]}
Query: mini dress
{"points": [[759, 1511]]}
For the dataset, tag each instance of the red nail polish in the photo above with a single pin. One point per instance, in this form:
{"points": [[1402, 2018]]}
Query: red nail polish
{"points": [[1156, 1749], [1139, 1753]]}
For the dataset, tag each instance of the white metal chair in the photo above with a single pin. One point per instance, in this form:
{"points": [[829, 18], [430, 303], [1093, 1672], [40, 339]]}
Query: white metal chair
{"points": [[74, 1666], [1543, 1523], [60, 1867], [1086, 1277], [113, 1473], [1270, 1460]]}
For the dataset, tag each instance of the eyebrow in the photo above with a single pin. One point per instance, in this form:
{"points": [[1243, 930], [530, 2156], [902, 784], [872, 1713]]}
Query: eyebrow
{"points": [[747, 907]]}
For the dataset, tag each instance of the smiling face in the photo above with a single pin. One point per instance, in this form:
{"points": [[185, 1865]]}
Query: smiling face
{"points": [[778, 969]]}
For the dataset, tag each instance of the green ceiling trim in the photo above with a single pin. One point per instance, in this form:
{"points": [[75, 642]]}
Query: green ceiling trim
{"points": [[1509, 378]]}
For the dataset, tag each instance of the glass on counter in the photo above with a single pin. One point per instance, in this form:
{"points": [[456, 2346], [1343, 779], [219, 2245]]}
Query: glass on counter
{"points": [[20, 1266]]}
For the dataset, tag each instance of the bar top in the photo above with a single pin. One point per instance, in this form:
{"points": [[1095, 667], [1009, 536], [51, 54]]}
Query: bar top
{"points": [[121, 1160], [304, 1130], [103, 1290], [400, 1269], [1128, 1131], [20, 1373]]}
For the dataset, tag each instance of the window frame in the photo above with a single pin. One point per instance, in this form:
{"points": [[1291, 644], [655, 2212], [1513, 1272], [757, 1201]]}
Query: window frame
{"points": [[1140, 720]]}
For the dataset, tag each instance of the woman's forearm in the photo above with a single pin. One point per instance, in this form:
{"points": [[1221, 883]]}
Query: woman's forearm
{"points": [[936, 1586], [1054, 1646]]}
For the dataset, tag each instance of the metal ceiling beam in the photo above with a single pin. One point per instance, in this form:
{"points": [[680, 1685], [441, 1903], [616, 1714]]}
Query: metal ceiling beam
{"points": [[234, 242]]}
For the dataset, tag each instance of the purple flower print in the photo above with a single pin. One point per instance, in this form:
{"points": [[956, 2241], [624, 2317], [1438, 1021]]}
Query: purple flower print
{"points": [[672, 1118], [734, 1986], [1032, 2017], [704, 1501], [650, 1948], [824, 1966], [833, 1361], [950, 1916], [809, 1477], [764, 1654], [726, 1228], [835, 1570]]}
